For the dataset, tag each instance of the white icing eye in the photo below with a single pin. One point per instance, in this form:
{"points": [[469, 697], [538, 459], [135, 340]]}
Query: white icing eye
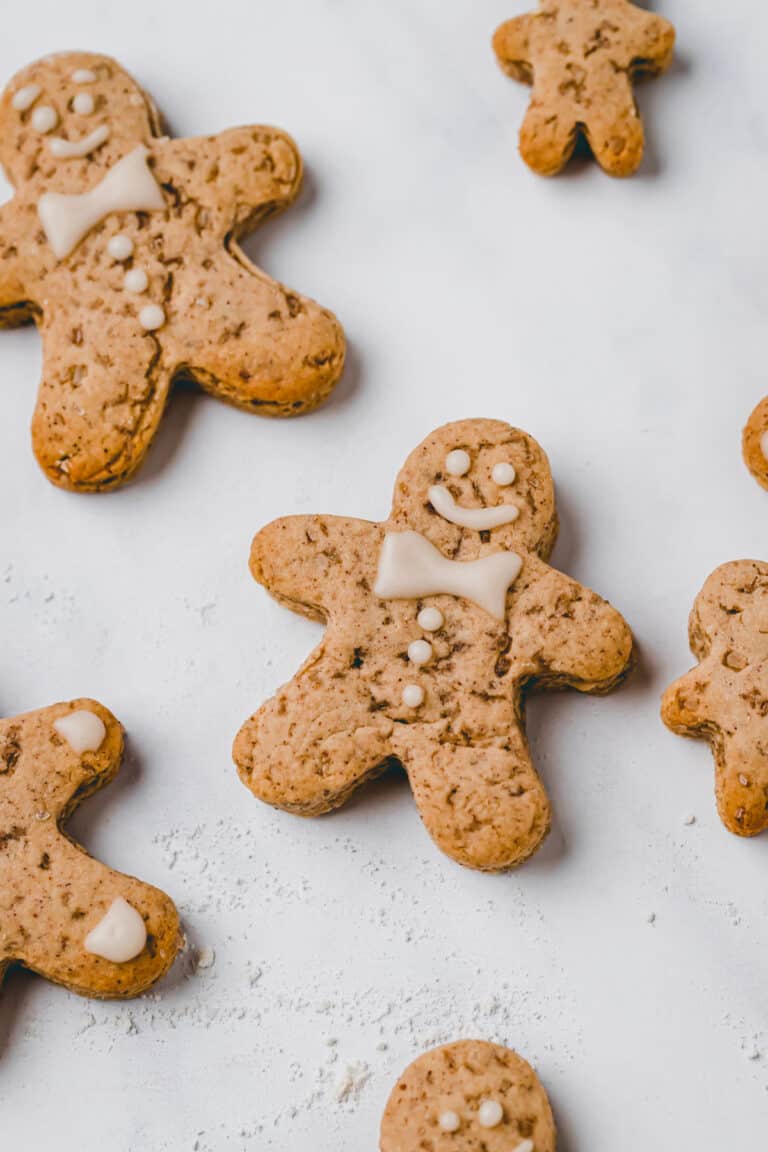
{"points": [[419, 652], [83, 76], [136, 280], [151, 317], [120, 247], [457, 463], [490, 1114], [503, 475], [83, 104], [413, 696], [25, 97], [44, 119], [84, 731], [430, 619], [449, 1121]]}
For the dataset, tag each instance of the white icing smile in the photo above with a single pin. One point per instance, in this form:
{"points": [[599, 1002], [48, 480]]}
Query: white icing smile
{"points": [[480, 519], [411, 567], [63, 149]]}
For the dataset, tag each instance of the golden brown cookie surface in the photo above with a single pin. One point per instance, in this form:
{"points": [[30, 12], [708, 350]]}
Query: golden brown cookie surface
{"points": [[581, 57], [755, 443], [468, 1097], [725, 699], [436, 621], [122, 245], [62, 913]]}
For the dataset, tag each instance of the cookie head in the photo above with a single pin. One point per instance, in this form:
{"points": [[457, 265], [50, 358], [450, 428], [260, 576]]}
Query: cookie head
{"points": [[477, 485], [468, 1097], [67, 111], [731, 614]]}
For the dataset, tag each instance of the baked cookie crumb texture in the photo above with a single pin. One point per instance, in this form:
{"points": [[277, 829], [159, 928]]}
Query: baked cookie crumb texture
{"points": [[468, 1097], [581, 57], [122, 245], [725, 698], [436, 621], [63, 914]]}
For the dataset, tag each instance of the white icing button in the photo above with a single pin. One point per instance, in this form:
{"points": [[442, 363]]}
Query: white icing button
{"points": [[525, 1146], [151, 317], [449, 1121], [457, 463], [83, 76], [135, 280], [120, 247], [25, 97], [490, 1114], [503, 474], [430, 619], [84, 731], [481, 519], [44, 119], [83, 104], [764, 444], [413, 696], [419, 652], [120, 935]]}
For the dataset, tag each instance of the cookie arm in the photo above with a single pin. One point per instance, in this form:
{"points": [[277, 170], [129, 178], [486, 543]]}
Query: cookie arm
{"points": [[14, 294], [511, 43], [653, 43], [565, 634]]}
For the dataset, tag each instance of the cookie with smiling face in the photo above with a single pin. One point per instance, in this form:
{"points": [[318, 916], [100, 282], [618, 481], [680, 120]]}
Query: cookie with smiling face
{"points": [[62, 913], [468, 1097], [122, 246], [437, 620]]}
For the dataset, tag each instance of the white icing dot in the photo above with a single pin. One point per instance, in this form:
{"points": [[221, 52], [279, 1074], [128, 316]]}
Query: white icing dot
{"points": [[457, 463], [449, 1121], [503, 474], [419, 651], [120, 935], [490, 1114], [413, 696], [764, 444], [525, 1146], [25, 97], [430, 619], [120, 247], [135, 280], [151, 317], [83, 76], [44, 119], [83, 730], [83, 104]]}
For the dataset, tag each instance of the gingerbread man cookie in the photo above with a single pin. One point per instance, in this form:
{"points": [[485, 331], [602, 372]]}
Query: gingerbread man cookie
{"points": [[63, 914], [122, 246], [436, 620], [468, 1097], [725, 699], [755, 443], [581, 57]]}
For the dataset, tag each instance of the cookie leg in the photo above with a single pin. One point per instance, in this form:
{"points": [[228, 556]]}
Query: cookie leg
{"points": [[618, 145], [546, 139], [257, 345], [103, 391], [313, 744], [482, 804]]}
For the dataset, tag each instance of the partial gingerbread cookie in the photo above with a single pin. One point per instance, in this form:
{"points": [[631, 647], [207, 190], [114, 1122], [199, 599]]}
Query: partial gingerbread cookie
{"points": [[581, 57], [725, 699], [755, 443], [63, 914], [436, 621], [468, 1097], [122, 246]]}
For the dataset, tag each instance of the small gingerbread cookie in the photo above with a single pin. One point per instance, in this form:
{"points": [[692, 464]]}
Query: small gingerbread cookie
{"points": [[437, 620], [754, 443], [725, 699], [122, 246], [581, 57], [468, 1097], [63, 914]]}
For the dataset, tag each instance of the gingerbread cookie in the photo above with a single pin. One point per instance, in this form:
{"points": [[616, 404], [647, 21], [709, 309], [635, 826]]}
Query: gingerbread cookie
{"points": [[468, 1097], [122, 246], [725, 699], [63, 914], [436, 621], [755, 443], [581, 57]]}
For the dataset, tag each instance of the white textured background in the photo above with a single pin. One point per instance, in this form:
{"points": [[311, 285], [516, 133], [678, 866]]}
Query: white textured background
{"points": [[624, 325]]}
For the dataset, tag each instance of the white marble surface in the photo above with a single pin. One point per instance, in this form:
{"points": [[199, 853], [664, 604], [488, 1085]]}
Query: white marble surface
{"points": [[624, 325]]}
